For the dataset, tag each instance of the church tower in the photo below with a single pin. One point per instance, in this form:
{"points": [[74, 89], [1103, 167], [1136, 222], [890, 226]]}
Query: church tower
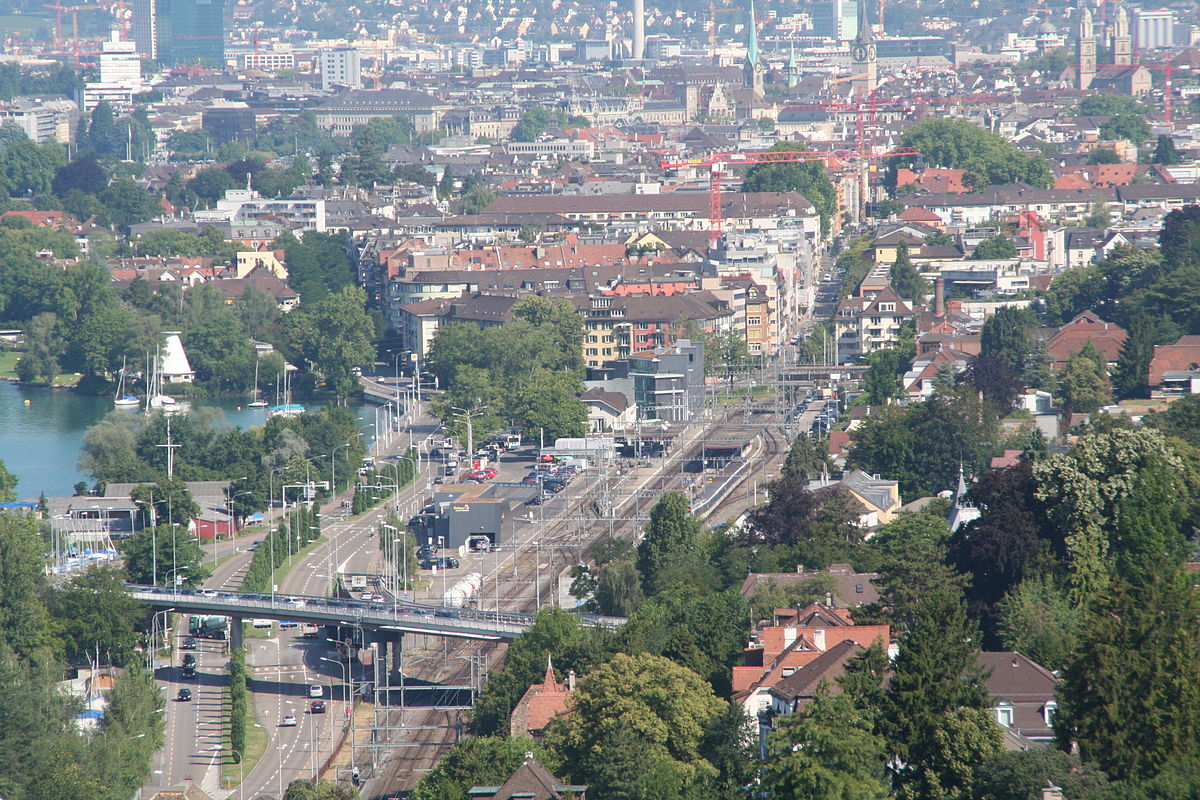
{"points": [[753, 70], [793, 71], [863, 55], [1120, 41], [1085, 50]]}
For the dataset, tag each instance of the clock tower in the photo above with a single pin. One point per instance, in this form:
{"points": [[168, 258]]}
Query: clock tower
{"points": [[753, 69], [863, 55]]}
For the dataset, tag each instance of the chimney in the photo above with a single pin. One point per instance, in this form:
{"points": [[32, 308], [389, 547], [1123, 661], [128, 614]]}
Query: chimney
{"points": [[939, 296], [819, 639], [954, 306], [571, 680]]}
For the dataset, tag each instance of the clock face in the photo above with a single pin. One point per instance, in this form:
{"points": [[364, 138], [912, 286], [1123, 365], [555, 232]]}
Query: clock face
{"points": [[859, 53], [871, 52]]}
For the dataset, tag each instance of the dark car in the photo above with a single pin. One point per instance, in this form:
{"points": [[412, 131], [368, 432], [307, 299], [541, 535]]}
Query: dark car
{"points": [[189, 660], [316, 707], [188, 672], [441, 562], [188, 643], [536, 500], [184, 695], [554, 485]]}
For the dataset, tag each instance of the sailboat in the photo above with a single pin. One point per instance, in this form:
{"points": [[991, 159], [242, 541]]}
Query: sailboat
{"points": [[122, 400], [154, 396], [257, 402], [287, 408]]}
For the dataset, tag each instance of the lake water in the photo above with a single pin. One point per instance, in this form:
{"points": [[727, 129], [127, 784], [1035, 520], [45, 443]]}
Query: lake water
{"points": [[41, 441]]}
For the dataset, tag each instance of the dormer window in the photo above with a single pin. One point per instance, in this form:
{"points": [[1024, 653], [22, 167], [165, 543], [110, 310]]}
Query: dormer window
{"points": [[1004, 714], [1048, 712], [887, 306]]}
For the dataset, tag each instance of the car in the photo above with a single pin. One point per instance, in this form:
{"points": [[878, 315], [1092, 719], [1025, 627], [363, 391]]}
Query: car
{"points": [[316, 707], [188, 672], [472, 482], [189, 660], [316, 690], [447, 614], [188, 643], [254, 545], [208, 593], [536, 500], [491, 472], [440, 562], [531, 479], [184, 695], [288, 721]]}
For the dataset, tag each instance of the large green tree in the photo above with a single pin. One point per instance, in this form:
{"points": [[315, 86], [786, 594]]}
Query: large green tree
{"points": [[826, 751], [904, 277], [334, 335], [671, 542], [809, 178], [987, 157]]}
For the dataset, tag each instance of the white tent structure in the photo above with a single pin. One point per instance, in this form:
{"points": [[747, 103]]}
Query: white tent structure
{"points": [[175, 367]]}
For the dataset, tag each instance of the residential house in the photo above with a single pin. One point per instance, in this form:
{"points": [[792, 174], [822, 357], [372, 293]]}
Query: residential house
{"points": [[270, 261], [1087, 326], [541, 703], [530, 781], [777, 651], [851, 589], [1175, 368], [866, 324], [608, 411], [231, 289], [879, 499], [799, 689], [1023, 694]]}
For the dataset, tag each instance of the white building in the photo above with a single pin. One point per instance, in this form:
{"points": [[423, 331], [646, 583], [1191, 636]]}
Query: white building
{"points": [[175, 367], [576, 149], [246, 205], [340, 67], [268, 62], [120, 75]]}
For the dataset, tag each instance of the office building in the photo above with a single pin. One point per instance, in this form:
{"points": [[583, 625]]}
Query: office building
{"points": [[120, 76], [185, 31], [835, 19], [145, 27], [340, 67], [1153, 29], [229, 122]]}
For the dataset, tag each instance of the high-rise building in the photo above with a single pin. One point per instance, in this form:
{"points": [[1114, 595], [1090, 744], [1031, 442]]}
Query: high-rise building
{"points": [[340, 66], [1085, 50], [189, 31], [1153, 29], [120, 75], [835, 19], [145, 27]]}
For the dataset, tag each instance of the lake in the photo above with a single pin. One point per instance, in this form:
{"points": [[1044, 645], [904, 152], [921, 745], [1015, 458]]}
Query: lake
{"points": [[41, 440]]}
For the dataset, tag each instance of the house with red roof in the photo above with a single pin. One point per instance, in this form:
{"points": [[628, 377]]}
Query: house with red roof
{"points": [[1175, 368], [1087, 326], [541, 703]]}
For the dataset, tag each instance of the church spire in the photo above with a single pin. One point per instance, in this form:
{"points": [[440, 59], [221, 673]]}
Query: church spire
{"points": [[752, 37]]}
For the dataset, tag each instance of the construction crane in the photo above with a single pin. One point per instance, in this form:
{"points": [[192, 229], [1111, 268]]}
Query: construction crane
{"points": [[720, 162], [74, 26], [712, 27]]}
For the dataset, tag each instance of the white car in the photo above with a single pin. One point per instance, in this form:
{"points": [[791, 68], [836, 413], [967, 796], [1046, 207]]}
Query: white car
{"points": [[288, 721], [316, 690], [208, 593]]}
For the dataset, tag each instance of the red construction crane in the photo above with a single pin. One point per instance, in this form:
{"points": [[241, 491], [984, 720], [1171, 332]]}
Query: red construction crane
{"points": [[74, 26], [720, 162]]}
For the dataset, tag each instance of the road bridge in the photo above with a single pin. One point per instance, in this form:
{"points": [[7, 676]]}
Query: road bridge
{"points": [[397, 617]]}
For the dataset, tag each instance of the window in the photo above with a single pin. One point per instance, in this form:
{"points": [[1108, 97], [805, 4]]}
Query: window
{"points": [[591, 351], [754, 320], [876, 320], [1004, 715], [1048, 712]]}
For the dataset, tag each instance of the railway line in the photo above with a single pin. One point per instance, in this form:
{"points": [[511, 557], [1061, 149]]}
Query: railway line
{"points": [[522, 576]]}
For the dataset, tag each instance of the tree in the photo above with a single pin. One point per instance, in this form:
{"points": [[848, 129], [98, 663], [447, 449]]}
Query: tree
{"points": [[911, 550], [211, 183], [618, 589], [303, 789], [1084, 382], [649, 704], [826, 751], [988, 157], [1103, 155], [98, 615], [478, 761], [548, 403], [1098, 216], [257, 311], [904, 277], [26, 627], [1131, 127], [166, 502], [672, 537], [83, 174], [999, 385], [1072, 291], [936, 718], [1038, 619], [1022, 774], [1105, 104], [1137, 648], [882, 382], [994, 247], [1165, 152], [477, 198], [178, 549], [104, 136], [806, 458], [809, 178], [125, 203], [333, 335], [1133, 365], [8, 485]]}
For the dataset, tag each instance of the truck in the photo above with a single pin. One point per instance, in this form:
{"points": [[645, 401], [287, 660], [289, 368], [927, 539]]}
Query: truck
{"points": [[215, 627]]}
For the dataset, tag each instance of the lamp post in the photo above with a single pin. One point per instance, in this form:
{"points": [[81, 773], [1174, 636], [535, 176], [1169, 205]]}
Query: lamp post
{"points": [[470, 430], [333, 469], [153, 538], [175, 582]]}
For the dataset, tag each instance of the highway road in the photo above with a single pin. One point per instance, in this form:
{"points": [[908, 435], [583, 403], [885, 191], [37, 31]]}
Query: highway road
{"points": [[282, 666]]}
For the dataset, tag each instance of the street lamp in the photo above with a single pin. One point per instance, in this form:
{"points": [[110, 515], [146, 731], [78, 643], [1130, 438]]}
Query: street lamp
{"points": [[153, 538], [470, 429], [333, 468], [175, 583]]}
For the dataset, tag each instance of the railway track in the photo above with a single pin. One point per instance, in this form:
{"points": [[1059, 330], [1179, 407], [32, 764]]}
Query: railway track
{"points": [[517, 583]]}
